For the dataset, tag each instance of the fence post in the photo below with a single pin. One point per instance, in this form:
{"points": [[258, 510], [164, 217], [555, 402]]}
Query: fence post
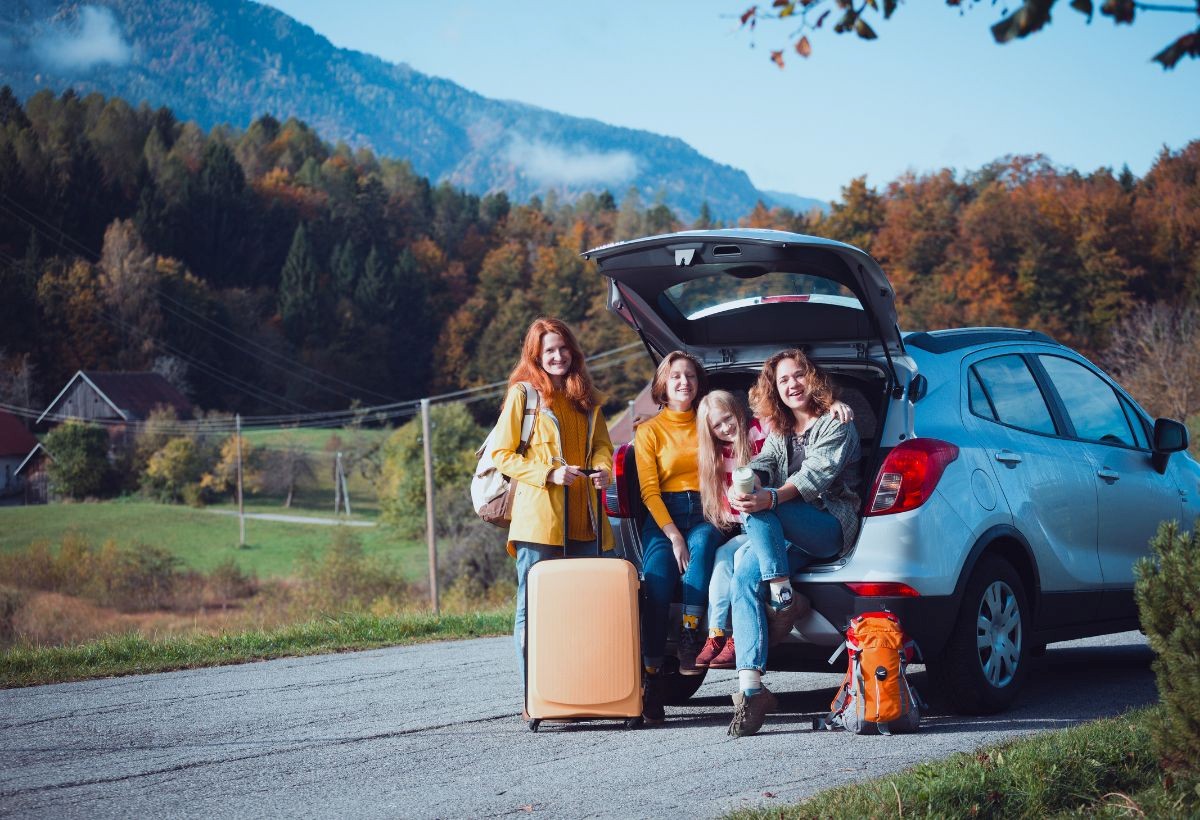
{"points": [[430, 537]]}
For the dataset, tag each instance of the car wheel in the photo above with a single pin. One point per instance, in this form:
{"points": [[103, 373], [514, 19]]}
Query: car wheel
{"points": [[987, 658], [677, 688]]}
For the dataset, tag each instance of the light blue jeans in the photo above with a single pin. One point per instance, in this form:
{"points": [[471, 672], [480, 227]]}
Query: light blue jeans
{"points": [[782, 542], [728, 556], [529, 554]]}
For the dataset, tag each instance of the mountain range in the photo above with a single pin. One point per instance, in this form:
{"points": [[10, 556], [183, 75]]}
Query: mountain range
{"points": [[232, 61]]}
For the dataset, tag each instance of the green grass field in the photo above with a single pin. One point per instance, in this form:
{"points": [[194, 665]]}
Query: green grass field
{"points": [[200, 538]]}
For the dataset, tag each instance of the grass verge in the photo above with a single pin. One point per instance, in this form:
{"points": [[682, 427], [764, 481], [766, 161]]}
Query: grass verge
{"points": [[134, 654], [1107, 767]]}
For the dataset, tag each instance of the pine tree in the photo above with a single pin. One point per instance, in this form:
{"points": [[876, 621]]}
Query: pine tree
{"points": [[343, 264], [375, 295], [298, 297]]}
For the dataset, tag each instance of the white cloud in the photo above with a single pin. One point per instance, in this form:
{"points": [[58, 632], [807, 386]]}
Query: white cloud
{"points": [[95, 38], [556, 165]]}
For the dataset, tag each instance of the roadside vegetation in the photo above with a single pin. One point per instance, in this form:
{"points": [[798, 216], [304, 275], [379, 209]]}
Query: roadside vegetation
{"points": [[1143, 764]]}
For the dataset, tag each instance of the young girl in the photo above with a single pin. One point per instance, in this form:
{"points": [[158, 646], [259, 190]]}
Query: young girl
{"points": [[728, 440]]}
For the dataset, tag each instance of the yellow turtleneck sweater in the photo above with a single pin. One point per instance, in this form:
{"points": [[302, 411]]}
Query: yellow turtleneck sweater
{"points": [[667, 459]]}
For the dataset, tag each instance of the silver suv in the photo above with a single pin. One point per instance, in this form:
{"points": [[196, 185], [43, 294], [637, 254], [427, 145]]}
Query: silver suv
{"points": [[1011, 483]]}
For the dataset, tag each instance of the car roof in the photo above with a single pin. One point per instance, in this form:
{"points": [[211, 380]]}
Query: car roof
{"points": [[946, 341]]}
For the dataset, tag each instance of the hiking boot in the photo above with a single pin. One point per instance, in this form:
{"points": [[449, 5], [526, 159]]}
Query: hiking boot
{"points": [[689, 648], [652, 699], [781, 617], [750, 712], [712, 649], [727, 658]]}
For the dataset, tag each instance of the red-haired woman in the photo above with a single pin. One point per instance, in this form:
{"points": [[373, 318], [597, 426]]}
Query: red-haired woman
{"points": [[555, 504]]}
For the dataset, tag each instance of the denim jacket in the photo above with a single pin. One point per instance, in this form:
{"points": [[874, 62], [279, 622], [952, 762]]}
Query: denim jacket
{"points": [[830, 456]]}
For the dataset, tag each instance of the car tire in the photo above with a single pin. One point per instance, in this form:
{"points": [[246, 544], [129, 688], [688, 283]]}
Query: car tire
{"points": [[678, 689], [986, 660]]}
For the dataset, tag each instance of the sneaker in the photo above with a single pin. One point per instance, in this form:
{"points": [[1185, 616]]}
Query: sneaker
{"points": [[749, 712], [712, 649], [727, 658], [652, 699], [689, 649]]}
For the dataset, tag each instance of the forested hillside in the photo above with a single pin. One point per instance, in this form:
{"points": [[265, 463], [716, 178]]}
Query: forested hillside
{"points": [[232, 61], [131, 240]]}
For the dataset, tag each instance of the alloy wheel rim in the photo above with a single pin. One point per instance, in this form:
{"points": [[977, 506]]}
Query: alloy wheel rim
{"points": [[998, 634]]}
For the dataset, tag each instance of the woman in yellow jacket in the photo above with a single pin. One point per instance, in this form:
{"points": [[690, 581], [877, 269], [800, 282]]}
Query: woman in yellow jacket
{"points": [[568, 458]]}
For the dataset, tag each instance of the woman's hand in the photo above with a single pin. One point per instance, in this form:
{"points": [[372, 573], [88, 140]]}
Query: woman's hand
{"points": [[756, 501], [842, 412], [566, 475], [600, 479], [679, 546]]}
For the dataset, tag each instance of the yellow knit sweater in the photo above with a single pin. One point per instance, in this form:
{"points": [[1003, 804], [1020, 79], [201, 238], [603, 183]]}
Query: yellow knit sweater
{"points": [[667, 459]]}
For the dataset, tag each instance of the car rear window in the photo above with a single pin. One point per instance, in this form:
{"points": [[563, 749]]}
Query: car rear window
{"points": [[698, 298]]}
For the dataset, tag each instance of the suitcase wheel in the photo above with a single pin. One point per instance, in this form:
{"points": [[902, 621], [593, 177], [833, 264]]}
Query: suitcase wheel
{"points": [[634, 722], [535, 724]]}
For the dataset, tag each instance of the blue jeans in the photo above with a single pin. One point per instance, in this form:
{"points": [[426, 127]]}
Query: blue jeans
{"points": [[782, 541], [529, 554], [728, 555], [660, 573]]}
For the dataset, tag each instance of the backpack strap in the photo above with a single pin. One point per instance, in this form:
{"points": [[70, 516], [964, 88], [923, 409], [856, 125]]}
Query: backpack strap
{"points": [[532, 403]]}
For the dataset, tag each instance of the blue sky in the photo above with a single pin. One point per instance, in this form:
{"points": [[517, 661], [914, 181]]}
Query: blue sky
{"points": [[933, 91]]}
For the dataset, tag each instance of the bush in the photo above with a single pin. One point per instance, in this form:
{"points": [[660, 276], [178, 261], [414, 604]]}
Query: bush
{"points": [[471, 551], [1168, 595], [11, 601], [228, 581], [78, 465], [401, 481], [136, 579], [179, 464], [345, 579]]}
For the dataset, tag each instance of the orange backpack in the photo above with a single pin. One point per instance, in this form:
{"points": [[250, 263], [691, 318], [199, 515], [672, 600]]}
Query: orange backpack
{"points": [[875, 695]]}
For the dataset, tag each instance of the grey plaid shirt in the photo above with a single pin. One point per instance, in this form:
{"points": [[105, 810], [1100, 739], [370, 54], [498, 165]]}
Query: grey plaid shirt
{"points": [[829, 474]]}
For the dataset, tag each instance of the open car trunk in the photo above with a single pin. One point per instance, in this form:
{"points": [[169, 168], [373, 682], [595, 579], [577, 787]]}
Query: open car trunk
{"points": [[732, 298]]}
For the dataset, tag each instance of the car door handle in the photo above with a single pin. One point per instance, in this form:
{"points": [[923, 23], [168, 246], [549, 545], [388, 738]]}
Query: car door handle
{"points": [[1008, 457], [1109, 475]]}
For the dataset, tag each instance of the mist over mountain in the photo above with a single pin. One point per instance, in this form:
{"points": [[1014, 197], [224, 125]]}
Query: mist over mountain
{"points": [[232, 61]]}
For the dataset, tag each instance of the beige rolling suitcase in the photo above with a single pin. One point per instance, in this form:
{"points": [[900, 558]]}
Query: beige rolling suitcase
{"points": [[582, 641]]}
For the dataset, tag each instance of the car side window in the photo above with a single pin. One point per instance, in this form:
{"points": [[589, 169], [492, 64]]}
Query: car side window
{"points": [[1093, 406], [1141, 433], [1009, 394]]}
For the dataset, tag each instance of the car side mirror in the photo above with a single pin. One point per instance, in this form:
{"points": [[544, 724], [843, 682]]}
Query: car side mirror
{"points": [[1170, 436]]}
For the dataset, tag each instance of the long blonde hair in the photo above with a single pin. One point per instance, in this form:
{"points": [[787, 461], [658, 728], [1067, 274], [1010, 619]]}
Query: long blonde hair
{"points": [[711, 462]]}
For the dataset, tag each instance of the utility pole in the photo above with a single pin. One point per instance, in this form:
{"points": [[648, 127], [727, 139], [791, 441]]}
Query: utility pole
{"points": [[241, 505], [427, 438], [337, 482]]}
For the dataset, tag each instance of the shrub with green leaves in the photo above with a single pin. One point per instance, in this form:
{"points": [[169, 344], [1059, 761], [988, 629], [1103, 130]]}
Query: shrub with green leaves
{"points": [[401, 481], [1168, 596], [345, 579], [78, 466]]}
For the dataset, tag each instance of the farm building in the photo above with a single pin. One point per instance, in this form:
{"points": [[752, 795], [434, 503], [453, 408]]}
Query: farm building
{"points": [[15, 444], [114, 397], [31, 472]]}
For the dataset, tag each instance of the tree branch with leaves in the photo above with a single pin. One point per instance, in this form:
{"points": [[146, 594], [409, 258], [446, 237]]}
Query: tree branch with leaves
{"points": [[810, 16]]}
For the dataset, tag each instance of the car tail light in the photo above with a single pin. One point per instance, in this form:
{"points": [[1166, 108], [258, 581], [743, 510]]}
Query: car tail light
{"points": [[908, 475], [870, 589], [616, 494]]}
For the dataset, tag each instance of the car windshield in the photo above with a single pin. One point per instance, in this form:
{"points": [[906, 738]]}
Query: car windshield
{"points": [[698, 298]]}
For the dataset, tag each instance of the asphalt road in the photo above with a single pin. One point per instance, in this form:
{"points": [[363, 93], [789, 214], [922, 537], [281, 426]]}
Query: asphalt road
{"points": [[432, 731]]}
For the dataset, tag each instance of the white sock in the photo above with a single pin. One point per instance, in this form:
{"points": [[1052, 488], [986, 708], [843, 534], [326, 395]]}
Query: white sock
{"points": [[781, 592], [749, 680]]}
